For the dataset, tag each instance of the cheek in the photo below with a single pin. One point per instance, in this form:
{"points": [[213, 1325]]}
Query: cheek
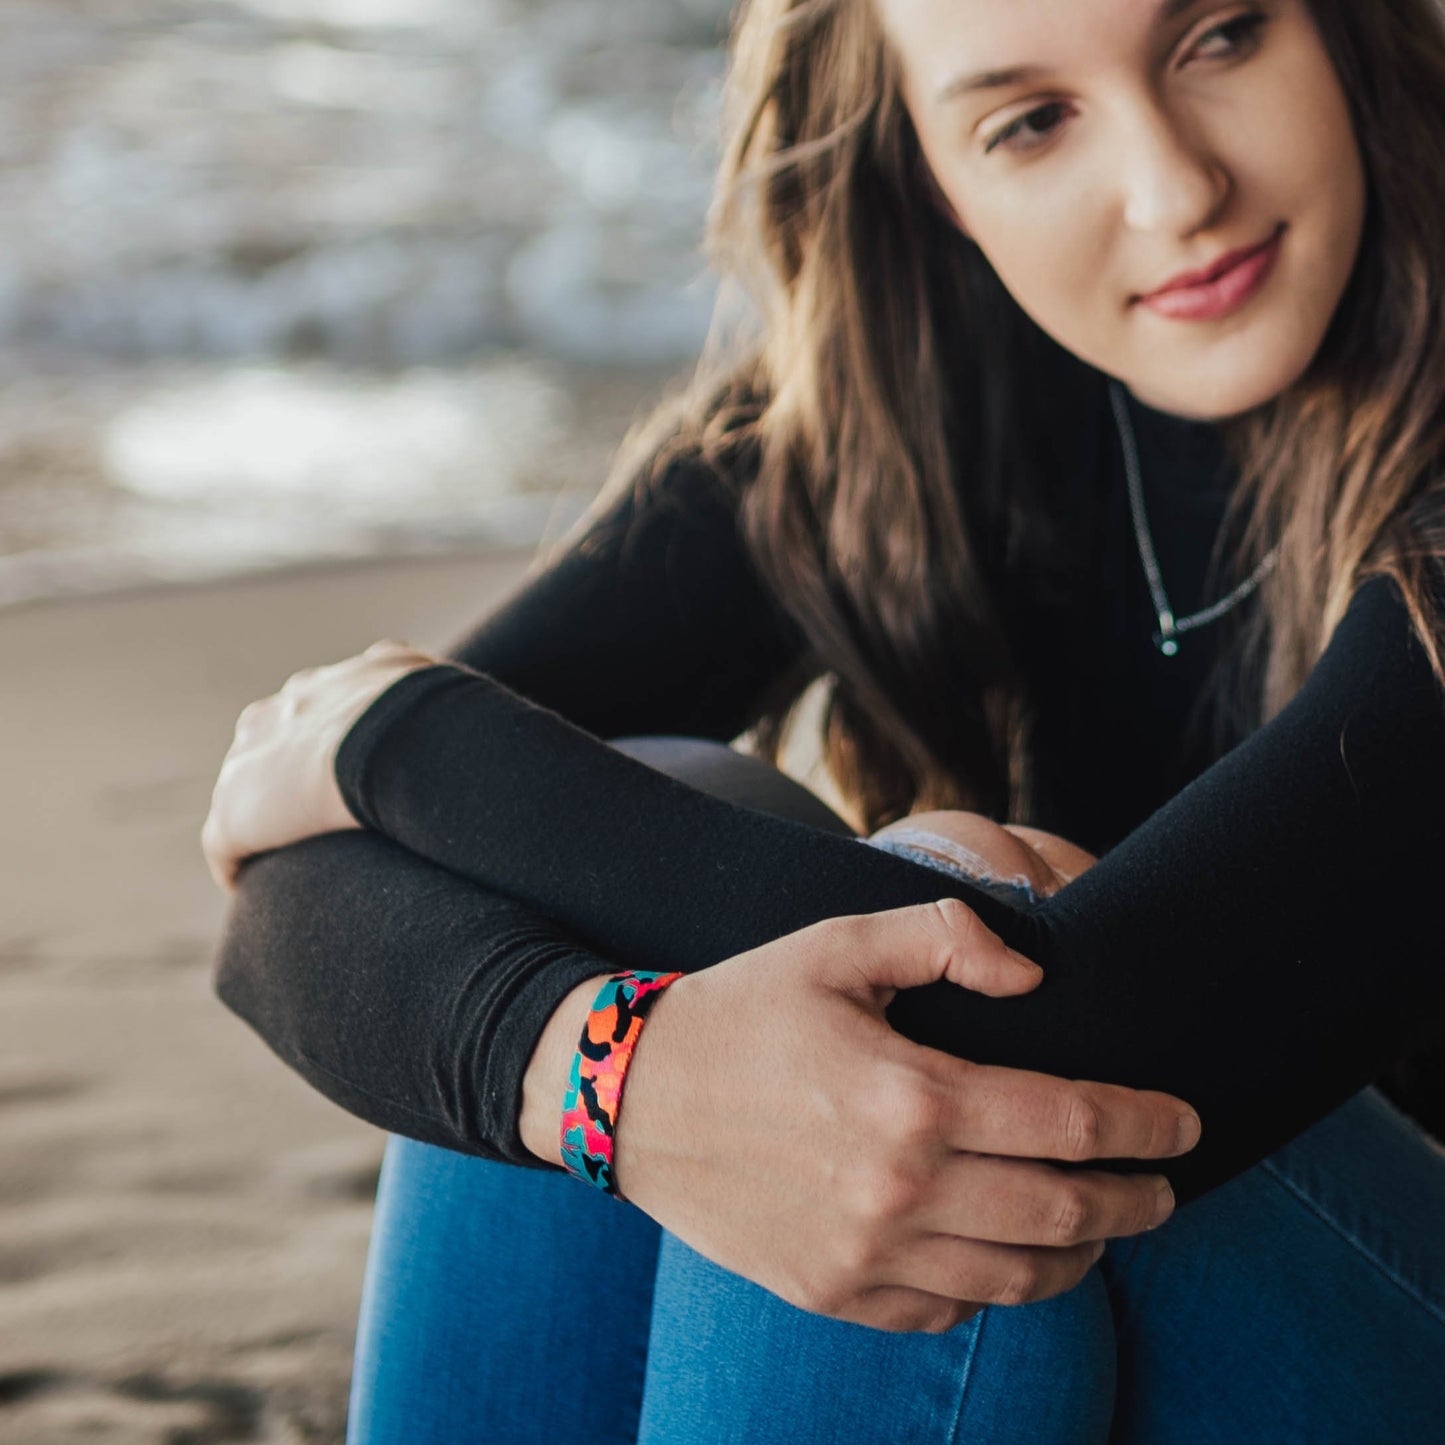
{"points": [[1046, 238], [1055, 263], [1302, 144]]}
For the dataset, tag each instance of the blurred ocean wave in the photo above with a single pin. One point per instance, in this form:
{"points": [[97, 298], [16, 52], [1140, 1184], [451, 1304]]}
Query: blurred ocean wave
{"points": [[290, 279]]}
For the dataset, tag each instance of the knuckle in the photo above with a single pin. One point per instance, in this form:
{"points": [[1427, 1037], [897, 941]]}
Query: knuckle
{"points": [[921, 1320], [955, 914], [1081, 1262], [1072, 1215], [960, 925], [900, 1312], [252, 716], [916, 1114], [948, 1318], [299, 684], [821, 1298], [1083, 1126], [1025, 1283], [1146, 1206], [853, 1255], [892, 1185], [886, 1193]]}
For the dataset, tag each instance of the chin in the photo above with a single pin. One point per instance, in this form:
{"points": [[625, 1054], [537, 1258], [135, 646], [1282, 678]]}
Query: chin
{"points": [[1242, 369], [1222, 385]]}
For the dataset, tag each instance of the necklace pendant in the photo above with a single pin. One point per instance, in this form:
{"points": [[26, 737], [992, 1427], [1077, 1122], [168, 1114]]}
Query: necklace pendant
{"points": [[1164, 638]]}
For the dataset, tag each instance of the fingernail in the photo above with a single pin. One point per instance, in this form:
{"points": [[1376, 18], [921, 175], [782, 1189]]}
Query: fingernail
{"points": [[1027, 963], [1165, 1205], [1098, 1251], [1187, 1132]]}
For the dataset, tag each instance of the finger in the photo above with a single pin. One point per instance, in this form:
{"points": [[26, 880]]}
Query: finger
{"points": [[1019, 1201], [210, 852], [900, 1310], [1037, 1116], [223, 869], [252, 719], [977, 1270], [387, 649], [876, 954]]}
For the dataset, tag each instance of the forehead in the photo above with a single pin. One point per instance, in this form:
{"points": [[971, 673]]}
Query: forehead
{"points": [[937, 40]]}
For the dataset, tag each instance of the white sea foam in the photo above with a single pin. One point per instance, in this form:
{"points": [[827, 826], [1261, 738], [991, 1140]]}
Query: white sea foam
{"points": [[285, 242]]}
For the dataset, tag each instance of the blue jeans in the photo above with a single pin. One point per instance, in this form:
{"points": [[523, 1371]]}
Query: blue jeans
{"points": [[1302, 1301]]}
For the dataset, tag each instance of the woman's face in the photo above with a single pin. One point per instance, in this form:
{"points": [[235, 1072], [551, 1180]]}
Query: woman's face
{"points": [[1147, 138]]}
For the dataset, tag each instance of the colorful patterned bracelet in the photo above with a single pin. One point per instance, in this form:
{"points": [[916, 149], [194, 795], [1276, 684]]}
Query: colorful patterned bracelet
{"points": [[594, 1087]]}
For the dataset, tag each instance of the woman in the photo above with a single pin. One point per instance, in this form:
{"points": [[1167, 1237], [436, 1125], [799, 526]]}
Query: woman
{"points": [[975, 230]]}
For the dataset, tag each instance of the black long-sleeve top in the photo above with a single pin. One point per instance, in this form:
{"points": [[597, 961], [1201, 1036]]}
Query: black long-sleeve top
{"points": [[1261, 935]]}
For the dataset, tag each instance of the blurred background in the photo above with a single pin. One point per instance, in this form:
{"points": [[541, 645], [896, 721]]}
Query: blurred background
{"points": [[297, 278], [316, 317]]}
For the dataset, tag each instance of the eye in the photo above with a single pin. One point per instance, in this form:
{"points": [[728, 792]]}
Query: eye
{"points": [[1242, 32], [1029, 122], [1242, 35]]}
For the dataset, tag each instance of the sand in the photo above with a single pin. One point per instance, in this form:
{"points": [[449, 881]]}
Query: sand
{"points": [[183, 1222]]}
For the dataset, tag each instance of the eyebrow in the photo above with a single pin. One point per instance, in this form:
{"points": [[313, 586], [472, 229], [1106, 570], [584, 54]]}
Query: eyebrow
{"points": [[1169, 10]]}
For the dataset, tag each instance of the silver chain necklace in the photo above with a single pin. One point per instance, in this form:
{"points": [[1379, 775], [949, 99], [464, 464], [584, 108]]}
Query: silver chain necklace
{"points": [[1170, 626]]}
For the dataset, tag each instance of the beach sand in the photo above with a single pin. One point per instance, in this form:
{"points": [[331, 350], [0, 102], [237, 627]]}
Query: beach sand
{"points": [[183, 1222]]}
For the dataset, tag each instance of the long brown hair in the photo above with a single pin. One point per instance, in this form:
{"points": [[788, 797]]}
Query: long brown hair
{"points": [[862, 386]]}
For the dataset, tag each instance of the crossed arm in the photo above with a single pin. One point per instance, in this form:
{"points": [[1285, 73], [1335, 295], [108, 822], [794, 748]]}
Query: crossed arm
{"points": [[1262, 946]]}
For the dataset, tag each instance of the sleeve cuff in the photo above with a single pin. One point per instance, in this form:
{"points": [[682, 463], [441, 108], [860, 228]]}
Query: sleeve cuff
{"points": [[353, 757]]}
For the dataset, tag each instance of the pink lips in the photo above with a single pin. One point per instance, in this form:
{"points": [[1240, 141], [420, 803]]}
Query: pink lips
{"points": [[1218, 290]]}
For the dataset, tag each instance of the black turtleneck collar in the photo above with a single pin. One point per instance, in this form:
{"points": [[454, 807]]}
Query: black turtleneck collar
{"points": [[1177, 451]]}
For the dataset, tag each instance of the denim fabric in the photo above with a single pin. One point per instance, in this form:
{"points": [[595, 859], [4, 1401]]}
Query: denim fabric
{"points": [[1302, 1301], [922, 846]]}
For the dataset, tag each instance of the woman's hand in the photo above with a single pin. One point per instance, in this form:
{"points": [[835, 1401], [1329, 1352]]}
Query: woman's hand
{"points": [[277, 783], [774, 1121]]}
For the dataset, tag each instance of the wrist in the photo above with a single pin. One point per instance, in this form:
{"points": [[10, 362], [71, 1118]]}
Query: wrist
{"points": [[592, 1108]]}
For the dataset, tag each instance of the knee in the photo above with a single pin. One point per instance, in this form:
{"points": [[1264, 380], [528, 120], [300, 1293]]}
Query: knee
{"points": [[1046, 1371], [1037, 1374]]}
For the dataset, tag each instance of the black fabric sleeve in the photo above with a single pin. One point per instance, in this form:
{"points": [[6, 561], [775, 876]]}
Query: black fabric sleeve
{"points": [[402, 992], [408, 994], [1261, 946], [653, 620]]}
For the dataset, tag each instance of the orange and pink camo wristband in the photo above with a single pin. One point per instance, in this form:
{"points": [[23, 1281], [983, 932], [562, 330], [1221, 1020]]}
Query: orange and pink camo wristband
{"points": [[594, 1087]]}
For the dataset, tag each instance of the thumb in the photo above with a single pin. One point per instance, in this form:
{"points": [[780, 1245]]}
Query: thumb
{"points": [[881, 953]]}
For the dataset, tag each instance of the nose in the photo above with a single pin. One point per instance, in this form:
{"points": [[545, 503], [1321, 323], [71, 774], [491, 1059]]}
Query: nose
{"points": [[1173, 181]]}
